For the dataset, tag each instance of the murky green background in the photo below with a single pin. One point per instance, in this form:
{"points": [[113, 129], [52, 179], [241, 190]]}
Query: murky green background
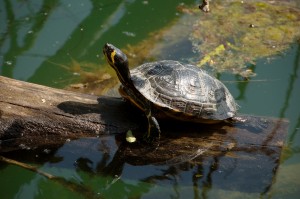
{"points": [[39, 39]]}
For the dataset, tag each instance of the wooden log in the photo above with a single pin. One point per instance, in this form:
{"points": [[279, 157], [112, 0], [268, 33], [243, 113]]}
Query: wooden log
{"points": [[36, 117], [33, 115]]}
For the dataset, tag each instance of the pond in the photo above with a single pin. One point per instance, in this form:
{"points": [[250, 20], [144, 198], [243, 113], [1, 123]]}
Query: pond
{"points": [[59, 44]]}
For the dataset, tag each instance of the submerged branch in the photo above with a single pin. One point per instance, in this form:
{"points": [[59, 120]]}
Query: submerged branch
{"points": [[80, 189]]}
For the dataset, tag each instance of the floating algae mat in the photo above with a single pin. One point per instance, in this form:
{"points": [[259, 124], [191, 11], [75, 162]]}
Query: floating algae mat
{"points": [[231, 37], [237, 33]]}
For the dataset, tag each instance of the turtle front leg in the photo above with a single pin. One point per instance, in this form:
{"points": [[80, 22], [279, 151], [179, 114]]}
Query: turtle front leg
{"points": [[153, 128]]}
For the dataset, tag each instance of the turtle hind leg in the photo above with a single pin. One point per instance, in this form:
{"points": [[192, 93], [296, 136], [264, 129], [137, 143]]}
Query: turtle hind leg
{"points": [[153, 132]]}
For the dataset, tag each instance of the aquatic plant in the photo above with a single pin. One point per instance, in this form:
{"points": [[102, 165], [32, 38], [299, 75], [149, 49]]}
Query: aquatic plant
{"points": [[237, 33]]}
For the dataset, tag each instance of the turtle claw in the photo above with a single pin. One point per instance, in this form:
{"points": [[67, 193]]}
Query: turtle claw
{"points": [[153, 133], [149, 139]]}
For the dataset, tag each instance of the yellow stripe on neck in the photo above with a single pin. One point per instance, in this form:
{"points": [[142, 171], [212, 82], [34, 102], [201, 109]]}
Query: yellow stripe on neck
{"points": [[112, 56]]}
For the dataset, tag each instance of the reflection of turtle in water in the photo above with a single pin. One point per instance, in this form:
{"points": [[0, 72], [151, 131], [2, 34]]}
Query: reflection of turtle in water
{"points": [[171, 89]]}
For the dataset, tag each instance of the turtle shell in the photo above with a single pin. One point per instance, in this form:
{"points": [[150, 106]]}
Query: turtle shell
{"points": [[184, 91]]}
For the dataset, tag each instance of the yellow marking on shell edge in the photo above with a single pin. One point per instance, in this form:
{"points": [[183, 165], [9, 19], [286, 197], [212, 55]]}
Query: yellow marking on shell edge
{"points": [[126, 96], [112, 56]]}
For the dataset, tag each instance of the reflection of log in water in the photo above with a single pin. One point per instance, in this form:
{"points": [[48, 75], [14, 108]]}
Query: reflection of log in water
{"points": [[242, 157], [222, 155]]}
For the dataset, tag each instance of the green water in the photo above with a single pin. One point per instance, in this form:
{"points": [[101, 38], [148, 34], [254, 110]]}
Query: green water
{"points": [[36, 34]]}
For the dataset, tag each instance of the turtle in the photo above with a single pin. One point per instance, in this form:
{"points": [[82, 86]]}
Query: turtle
{"points": [[170, 89]]}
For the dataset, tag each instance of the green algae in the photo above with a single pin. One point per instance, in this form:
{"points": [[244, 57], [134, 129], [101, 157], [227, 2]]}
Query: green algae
{"points": [[236, 33]]}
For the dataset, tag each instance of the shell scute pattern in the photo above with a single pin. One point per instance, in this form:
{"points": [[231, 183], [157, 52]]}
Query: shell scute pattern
{"points": [[184, 88]]}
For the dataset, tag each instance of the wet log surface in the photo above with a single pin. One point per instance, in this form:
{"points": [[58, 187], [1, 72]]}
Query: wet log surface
{"points": [[237, 156], [33, 115]]}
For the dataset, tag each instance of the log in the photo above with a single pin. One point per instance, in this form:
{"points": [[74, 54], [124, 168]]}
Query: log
{"points": [[34, 117]]}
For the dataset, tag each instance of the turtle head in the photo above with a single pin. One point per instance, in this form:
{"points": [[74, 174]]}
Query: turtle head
{"points": [[118, 60]]}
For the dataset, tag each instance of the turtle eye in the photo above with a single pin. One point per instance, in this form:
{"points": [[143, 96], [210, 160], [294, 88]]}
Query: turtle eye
{"points": [[118, 57], [115, 57]]}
